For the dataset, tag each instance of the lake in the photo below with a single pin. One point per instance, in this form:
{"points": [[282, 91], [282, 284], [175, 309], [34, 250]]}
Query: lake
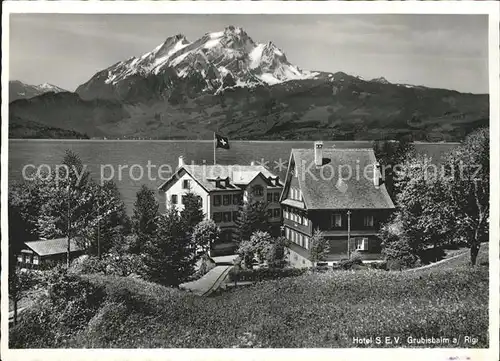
{"points": [[135, 155]]}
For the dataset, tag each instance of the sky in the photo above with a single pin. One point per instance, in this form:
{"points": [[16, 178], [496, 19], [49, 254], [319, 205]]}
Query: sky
{"points": [[443, 51]]}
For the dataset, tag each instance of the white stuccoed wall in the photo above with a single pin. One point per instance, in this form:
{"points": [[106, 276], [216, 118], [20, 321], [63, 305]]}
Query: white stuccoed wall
{"points": [[195, 188]]}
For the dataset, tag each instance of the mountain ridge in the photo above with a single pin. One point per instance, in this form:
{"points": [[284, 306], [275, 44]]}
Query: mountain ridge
{"points": [[21, 90], [226, 82]]}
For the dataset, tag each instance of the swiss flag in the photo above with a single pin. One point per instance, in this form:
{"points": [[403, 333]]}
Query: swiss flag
{"points": [[222, 142]]}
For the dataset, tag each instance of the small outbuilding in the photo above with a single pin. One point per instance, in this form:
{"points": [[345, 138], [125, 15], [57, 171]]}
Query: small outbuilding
{"points": [[46, 252]]}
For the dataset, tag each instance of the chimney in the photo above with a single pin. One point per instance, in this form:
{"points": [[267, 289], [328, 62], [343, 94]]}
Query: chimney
{"points": [[181, 162], [227, 181], [376, 174], [318, 153]]}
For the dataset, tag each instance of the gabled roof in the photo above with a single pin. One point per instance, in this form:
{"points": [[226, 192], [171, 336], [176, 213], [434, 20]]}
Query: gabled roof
{"points": [[206, 175], [322, 189], [53, 246]]}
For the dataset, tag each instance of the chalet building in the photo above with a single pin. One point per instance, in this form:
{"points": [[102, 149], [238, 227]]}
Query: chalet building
{"points": [[340, 192], [222, 189], [49, 252]]}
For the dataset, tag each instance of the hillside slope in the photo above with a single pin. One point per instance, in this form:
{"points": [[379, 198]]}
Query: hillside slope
{"points": [[339, 108], [313, 311]]}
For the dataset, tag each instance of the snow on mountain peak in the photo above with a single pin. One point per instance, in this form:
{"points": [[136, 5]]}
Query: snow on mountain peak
{"points": [[220, 53]]}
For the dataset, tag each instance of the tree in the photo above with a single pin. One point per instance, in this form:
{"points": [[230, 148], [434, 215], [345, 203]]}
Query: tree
{"points": [[259, 245], [252, 216], [205, 234], [170, 254], [143, 219], [192, 214], [318, 247], [20, 281], [423, 207], [277, 252], [109, 222], [264, 247], [397, 248], [469, 190], [24, 203], [390, 154], [73, 205]]}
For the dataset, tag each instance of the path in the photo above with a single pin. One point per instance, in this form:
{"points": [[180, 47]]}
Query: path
{"points": [[209, 282]]}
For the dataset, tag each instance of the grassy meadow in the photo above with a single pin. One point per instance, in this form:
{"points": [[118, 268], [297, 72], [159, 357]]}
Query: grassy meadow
{"points": [[314, 310]]}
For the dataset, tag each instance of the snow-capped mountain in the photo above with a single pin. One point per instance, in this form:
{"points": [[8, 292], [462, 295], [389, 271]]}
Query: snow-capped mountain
{"points": [[219, 60], [20, 90]]}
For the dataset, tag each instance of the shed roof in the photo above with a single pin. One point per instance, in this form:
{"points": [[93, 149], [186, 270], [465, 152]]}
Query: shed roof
{"points": [[53, 246]]}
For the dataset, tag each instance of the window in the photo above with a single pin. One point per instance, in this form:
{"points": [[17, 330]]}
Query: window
{"points": [[269, 213], [226, 235], [306, 221], [287, 233], [217, 200], [27, 259], [301, 240], [336, 220], [236, 199], [301, 219], [368, 221], [217, 217], [269, 197], [226, 199], [276, 197], [227, 217], [362, 244], [306, 241], [20, 258], [173, 199], [35, 259], [277, 212], [186, 184], [258, 191], [236, 215]]}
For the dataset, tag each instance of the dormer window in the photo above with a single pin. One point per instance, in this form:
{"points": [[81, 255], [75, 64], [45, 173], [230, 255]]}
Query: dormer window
{"points": [[258, 191]]}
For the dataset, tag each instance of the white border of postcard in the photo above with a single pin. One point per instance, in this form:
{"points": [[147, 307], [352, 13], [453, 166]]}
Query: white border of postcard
{"points": [[491, 8]]}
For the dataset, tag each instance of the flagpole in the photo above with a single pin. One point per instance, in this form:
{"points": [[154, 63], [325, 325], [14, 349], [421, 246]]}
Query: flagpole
{"points": [[214, 146]]}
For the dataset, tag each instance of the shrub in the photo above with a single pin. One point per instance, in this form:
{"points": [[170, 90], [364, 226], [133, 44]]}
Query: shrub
{"points": [[111, 264], [261, 274], [397, 248], [379, 265], [355, 260], [432, 254], [70, 304]]}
